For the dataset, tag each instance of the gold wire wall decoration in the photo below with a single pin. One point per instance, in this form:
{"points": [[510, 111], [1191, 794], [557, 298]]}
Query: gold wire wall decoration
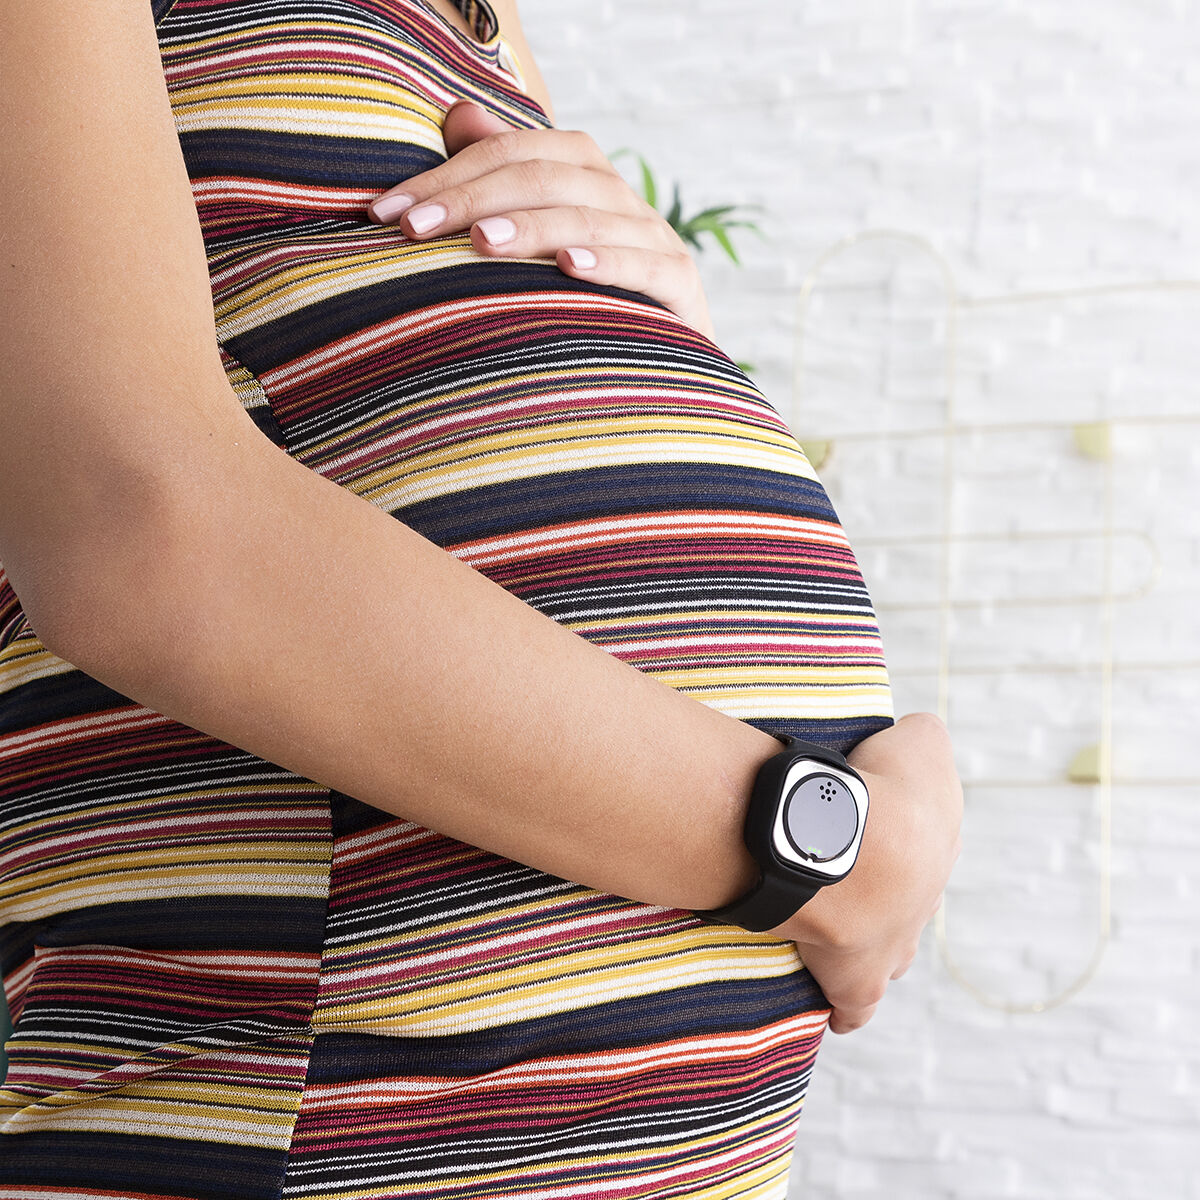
{"points": [[1093, 765]]}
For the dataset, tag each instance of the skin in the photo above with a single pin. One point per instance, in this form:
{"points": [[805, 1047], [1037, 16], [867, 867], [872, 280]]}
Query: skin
{"points": [[309, 629], [548, 194]]}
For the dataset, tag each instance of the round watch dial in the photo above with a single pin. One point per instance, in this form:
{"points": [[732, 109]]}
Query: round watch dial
{"points": [[820, 817]]}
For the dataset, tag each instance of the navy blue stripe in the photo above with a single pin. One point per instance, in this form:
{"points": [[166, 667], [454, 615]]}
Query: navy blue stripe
{"points": [[611, 491], [268, 155], [285, 923], [300, 332], [125, 1162], [704, 1009], [54, 699], [837, 733]]}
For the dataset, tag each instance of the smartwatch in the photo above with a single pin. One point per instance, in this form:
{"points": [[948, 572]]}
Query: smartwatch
{"points": [[804, 828]]}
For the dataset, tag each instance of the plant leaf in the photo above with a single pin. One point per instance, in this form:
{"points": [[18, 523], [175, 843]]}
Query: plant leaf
{"points": [[715, 213], [719, 233], [675, 216], [717, 220], [649, 188]]}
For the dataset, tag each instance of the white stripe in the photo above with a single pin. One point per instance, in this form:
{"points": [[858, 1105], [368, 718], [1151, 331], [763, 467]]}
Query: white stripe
{"points": [[732, 642], [622, 982], [164, 883], [281, 193], [155, 1116], [194, 962], [514, 464], [700, 521], [555, 388], [81, 727], [99, 843]]}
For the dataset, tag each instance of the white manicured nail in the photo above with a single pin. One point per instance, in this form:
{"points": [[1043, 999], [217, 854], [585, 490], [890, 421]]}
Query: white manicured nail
{"points": [[497, 230], [581, 259], [388, 208], [426, 218]]}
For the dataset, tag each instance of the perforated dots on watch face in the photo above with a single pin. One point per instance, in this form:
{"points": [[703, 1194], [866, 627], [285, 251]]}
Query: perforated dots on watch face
{"points": [[820, 817]]}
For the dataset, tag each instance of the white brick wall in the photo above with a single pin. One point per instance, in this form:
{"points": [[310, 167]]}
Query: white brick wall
{"points": [[1035, 158]]}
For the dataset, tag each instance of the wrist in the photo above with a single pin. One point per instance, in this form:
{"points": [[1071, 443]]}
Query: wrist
{"points": [[847, 914], [731, 870], [803, 829]]}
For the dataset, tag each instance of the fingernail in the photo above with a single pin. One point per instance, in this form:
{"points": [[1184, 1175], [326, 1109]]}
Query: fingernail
{"points": [[426, 218], [581, 259], [497, 230], [388, 208]]}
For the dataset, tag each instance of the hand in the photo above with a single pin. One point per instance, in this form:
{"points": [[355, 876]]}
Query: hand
{"points": [[857, 935], [546, 193]]}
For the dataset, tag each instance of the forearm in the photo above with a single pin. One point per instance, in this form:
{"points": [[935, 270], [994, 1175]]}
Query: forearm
{"points": [[271, 608]]}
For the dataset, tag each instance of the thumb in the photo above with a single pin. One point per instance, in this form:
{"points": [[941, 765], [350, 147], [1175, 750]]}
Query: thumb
{"points": [[467, 123]]}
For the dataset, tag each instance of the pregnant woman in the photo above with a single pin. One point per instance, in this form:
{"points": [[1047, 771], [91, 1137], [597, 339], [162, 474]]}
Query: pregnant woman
{"points": [[384, 680]]}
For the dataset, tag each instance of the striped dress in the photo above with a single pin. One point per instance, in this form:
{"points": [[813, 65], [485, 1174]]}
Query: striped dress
{"points": [[227, 981]]}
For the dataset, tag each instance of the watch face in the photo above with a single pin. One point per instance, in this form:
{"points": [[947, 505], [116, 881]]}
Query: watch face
{"points": [[820, 817]]}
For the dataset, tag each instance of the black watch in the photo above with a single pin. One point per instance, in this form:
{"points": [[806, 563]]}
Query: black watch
{"points": [[804, 827]]}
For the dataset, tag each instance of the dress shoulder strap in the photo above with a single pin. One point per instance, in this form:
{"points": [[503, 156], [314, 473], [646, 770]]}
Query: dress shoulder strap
{"points": [[480, 17]]}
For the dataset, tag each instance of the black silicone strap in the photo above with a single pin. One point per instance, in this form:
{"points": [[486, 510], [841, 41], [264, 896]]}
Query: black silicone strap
{"points": [[769, 904], [795, 746], [774, 899]]}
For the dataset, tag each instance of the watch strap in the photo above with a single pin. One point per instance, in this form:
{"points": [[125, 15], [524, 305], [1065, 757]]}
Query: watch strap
{"points": [[766, 905], [774, 899], [795, 747]]}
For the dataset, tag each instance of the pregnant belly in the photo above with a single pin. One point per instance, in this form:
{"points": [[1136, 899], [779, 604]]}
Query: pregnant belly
{"points": [[600, 460], [593, 455], [586, 450]]}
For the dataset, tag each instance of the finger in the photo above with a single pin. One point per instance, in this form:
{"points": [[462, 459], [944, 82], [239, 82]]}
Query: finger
{"points": [[668, 276], [542, 232], [490, 155], [467, 123], [847, 1020], [519, 187]]}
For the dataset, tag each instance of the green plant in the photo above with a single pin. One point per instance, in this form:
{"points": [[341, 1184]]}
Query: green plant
{"points": [[717, 221]]}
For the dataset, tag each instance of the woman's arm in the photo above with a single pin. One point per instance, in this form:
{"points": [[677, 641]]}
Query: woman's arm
{"points": [[319, 633], [162, 544]]}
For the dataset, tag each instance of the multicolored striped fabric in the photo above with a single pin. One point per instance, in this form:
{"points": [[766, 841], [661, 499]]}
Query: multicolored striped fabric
{"points": [[229, 982]]}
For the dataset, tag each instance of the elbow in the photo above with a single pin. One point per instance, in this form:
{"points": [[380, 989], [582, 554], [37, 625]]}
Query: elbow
{"points": [[111, 552], [102, 602], [102, 630]]}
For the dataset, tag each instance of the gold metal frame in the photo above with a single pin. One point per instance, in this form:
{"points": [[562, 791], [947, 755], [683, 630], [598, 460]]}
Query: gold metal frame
{"points": [[1093, 766]]}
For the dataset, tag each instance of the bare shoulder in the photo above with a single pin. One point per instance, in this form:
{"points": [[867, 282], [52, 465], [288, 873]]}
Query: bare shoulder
{"points": [[96, 211]]}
